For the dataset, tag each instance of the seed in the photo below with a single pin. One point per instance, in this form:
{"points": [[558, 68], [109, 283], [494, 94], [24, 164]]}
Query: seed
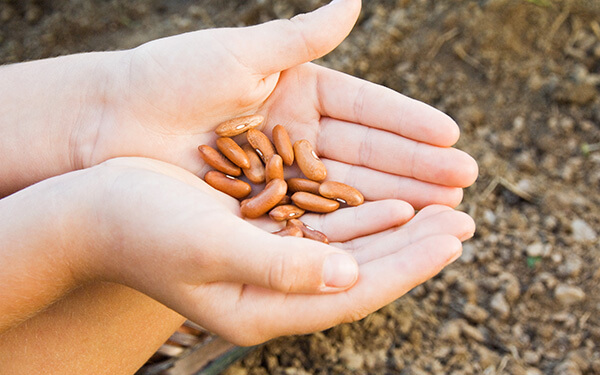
{"points": [[308, 231], [265, 200], [314, 203], [290, 230], [256, 172], [274, 168], [302, 184], [339, 191], [213, 158], [308, 161], [227, 184], [233, 152], [261, 144], [282, 142], [238, 125], [286, 212]]}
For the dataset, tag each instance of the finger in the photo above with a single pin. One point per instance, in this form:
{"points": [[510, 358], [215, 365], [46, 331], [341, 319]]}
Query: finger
{"points": [[348, 98], [381, 282], [357, 244], [454, 223], [387, 152], [375, 185], [370, 217], [281, 44], [243, 253]]}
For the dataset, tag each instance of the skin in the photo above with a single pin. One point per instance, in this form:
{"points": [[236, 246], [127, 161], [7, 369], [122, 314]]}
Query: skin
{"points": [[71, 240]]}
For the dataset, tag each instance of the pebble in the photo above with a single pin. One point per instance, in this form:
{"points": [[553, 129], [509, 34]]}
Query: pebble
{"points": [[531, 358], [468, 253], [473, 333], [351, 360], [533, 371], [582, 232], [451, 331], [499, 306], [567, 368], [568, 294], [535, 249], [571, 267], [475, 313]]}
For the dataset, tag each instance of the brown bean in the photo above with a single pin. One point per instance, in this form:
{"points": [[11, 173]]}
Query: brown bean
{"points": [[308, 161], [282, 142], [307, 231], [290, 230], [227, 184], [302, 184], [233, 152], [339, 191], [213, 158], [238, 125], [256, 172], [314, 203], [286, 212], [285, 200], [265, 200], [274, 168], [261, 144]]}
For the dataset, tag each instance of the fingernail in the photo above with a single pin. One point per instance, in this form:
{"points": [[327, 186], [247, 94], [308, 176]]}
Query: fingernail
{"points": [[339, 271], [453, 258]]}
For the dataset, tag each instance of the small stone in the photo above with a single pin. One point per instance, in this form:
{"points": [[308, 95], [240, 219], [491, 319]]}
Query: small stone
{"points": [[512, 287], [468, 253], [531, 358], [487, 357], [475, 313], [582, 231], [489, 216], [351, 360], [473, 333], [571, 267], [535, 249], [236, 370], [568, 295], [567, 368], [533, 371], [499, 306], [451, 331]]}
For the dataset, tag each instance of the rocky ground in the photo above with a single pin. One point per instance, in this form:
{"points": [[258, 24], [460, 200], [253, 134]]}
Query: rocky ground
{"points": [[523, 82]]}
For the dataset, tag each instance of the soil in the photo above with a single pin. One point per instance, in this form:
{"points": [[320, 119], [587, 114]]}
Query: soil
{"points": [[523, 82]]}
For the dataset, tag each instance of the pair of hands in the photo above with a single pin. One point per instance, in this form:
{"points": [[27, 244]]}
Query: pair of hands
{"points": [[150, 223]]}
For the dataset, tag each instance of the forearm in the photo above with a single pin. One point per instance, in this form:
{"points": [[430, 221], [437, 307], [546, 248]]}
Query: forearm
{"points": [[39, 237], [48, 111], [109, 328]]}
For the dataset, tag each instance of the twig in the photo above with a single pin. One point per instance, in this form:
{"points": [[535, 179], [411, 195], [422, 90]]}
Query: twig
{"points": [[595, 28], [445, 37], [459, 50], [562, 17]]}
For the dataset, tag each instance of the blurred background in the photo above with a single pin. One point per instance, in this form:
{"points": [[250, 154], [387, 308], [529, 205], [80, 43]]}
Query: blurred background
{"points": [[522, 79]]}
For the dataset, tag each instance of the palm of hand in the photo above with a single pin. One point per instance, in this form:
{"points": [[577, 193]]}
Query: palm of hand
{"points": [[385, 144], [193, 253]]}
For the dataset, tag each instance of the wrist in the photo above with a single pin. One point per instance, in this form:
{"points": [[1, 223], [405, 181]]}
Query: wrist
{"points": [[41, 242], [51, 111]]}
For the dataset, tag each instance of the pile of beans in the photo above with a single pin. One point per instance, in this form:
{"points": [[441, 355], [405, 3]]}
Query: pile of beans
{"points": [[262, 161]]}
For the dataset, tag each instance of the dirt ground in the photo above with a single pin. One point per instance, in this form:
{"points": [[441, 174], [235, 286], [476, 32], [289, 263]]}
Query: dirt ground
{"points": [[523, 82]]}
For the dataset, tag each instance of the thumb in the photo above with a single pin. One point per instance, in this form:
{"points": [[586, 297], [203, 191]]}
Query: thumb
{"points": [[281, 44], [287, 264]]}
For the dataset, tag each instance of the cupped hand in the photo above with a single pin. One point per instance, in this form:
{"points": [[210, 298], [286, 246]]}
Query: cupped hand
{"points": [[161, 230], [168, 95]]}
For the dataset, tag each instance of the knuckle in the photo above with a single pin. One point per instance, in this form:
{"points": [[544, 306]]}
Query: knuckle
{"points": [[279, 273]]}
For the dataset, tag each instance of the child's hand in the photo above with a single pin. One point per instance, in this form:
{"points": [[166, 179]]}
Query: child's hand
{"points": [[166, 97], [163, 231]]}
